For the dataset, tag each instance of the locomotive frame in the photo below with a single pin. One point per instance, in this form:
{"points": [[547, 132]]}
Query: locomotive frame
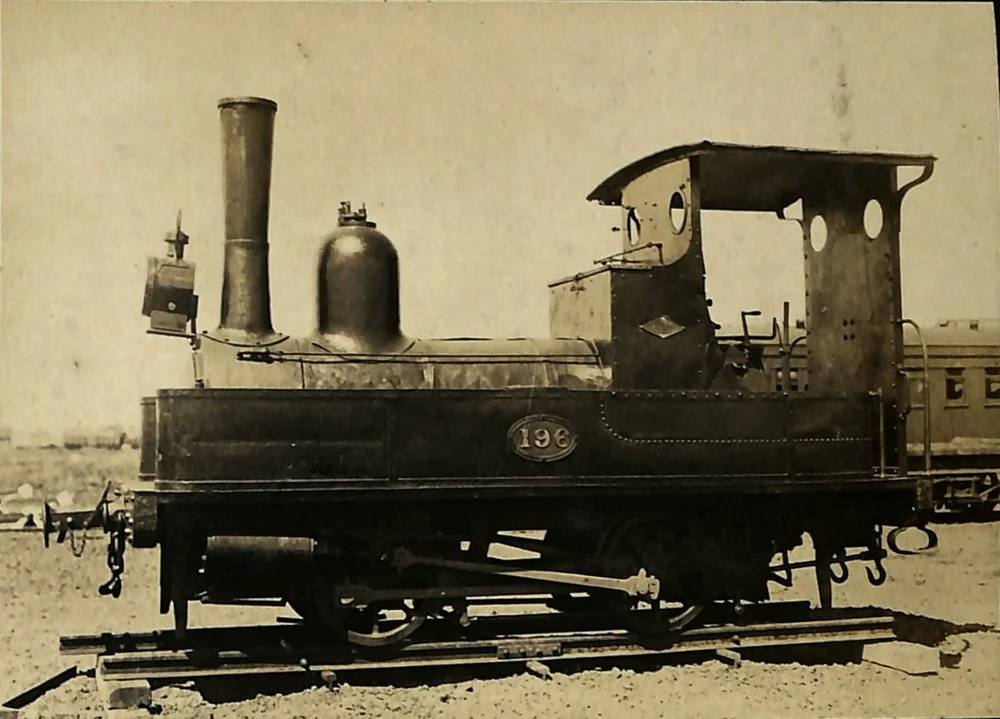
{"points": [[358, 471]]}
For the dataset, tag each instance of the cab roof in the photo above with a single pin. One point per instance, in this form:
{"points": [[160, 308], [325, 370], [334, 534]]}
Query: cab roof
{"points": [[749, 177]]}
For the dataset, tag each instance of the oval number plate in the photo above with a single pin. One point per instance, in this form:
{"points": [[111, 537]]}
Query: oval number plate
{"points": [[541, 438]]}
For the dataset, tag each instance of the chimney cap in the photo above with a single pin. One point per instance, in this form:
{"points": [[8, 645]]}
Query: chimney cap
{"points": [[227, 101]]}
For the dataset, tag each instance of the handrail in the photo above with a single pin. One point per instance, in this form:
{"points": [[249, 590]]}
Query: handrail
{"points": [[610, 258], [881, 436], [926, 394], [747, 337]]}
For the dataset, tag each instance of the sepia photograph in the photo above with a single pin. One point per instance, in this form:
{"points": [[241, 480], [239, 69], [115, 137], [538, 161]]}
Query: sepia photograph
{"points": [[536, 358]]}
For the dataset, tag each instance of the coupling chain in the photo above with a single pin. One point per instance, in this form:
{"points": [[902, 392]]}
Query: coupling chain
{"points": [[77, 548], [116, 560]]}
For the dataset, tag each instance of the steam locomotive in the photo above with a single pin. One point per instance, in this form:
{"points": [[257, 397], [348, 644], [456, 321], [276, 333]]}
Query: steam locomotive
{"points": [[640, 461]]}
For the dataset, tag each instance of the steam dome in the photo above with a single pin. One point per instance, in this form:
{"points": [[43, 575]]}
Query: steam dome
{"points": [[358, 287]]}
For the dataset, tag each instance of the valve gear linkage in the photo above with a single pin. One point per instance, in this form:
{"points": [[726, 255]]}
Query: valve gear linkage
{"points": [[640, 585]]}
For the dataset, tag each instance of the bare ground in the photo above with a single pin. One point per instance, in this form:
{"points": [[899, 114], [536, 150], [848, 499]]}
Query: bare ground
{"points": [[48, 593]]}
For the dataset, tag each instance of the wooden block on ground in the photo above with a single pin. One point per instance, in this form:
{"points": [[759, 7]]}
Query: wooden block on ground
{"points": [[539, 669], [951, 651], [914, 659], [131, 694], [123, 694], [730, 656]]}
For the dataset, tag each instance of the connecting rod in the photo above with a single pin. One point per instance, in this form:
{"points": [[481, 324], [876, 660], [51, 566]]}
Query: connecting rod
{"points": [[640, 585]]}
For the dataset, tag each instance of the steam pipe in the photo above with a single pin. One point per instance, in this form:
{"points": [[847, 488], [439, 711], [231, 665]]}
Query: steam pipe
{"points": [[247, 145]]}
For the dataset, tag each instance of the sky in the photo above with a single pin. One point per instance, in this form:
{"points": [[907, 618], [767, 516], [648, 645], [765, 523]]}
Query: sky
{"points": [[473, 132]]}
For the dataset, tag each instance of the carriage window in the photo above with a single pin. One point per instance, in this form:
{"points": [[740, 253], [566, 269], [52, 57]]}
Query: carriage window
{"points": [[954, 387], [993, 386]]}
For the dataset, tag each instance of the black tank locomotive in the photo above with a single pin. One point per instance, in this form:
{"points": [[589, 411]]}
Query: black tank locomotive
{"points": [[638, 460]]}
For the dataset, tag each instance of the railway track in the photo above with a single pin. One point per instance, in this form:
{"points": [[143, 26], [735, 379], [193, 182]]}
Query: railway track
{"points": [[128, 665]]}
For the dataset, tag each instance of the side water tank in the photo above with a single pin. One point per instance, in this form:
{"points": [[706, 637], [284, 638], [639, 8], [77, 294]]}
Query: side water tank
{"points": [[358, 287]]}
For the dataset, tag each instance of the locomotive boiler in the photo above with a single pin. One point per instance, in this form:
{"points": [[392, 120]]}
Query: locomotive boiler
{"points": [[639, 461]]}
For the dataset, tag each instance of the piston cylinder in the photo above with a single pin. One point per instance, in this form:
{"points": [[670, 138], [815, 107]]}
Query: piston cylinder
{"points": [[256, 566]]}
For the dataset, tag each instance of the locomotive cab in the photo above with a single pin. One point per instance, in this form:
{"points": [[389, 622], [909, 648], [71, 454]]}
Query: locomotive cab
{"points": [[658, 312]]}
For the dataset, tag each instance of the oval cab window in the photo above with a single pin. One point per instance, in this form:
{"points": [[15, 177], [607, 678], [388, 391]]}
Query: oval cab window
{"points": [[678, 212], [817, 233], [873, 219], [633, 226]]}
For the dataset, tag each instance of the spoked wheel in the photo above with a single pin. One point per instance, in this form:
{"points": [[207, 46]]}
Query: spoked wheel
{"points": [[372, 629], [376, 626], [662, 547]]}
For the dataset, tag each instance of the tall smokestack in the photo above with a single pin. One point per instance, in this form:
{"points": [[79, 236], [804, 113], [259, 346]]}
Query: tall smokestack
{"points": [[247, 143]]}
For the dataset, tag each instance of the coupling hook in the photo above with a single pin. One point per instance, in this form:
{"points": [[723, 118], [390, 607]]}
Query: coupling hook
{"points": [[878, 577], [840, 562]]}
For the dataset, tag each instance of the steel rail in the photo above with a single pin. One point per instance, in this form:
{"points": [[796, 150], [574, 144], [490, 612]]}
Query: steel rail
{"points": [[207, 639], [552, 647], [586, 617]]}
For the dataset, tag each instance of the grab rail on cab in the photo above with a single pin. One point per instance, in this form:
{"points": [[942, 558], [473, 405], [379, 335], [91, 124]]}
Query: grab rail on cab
{"points": [[926, 394]]}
